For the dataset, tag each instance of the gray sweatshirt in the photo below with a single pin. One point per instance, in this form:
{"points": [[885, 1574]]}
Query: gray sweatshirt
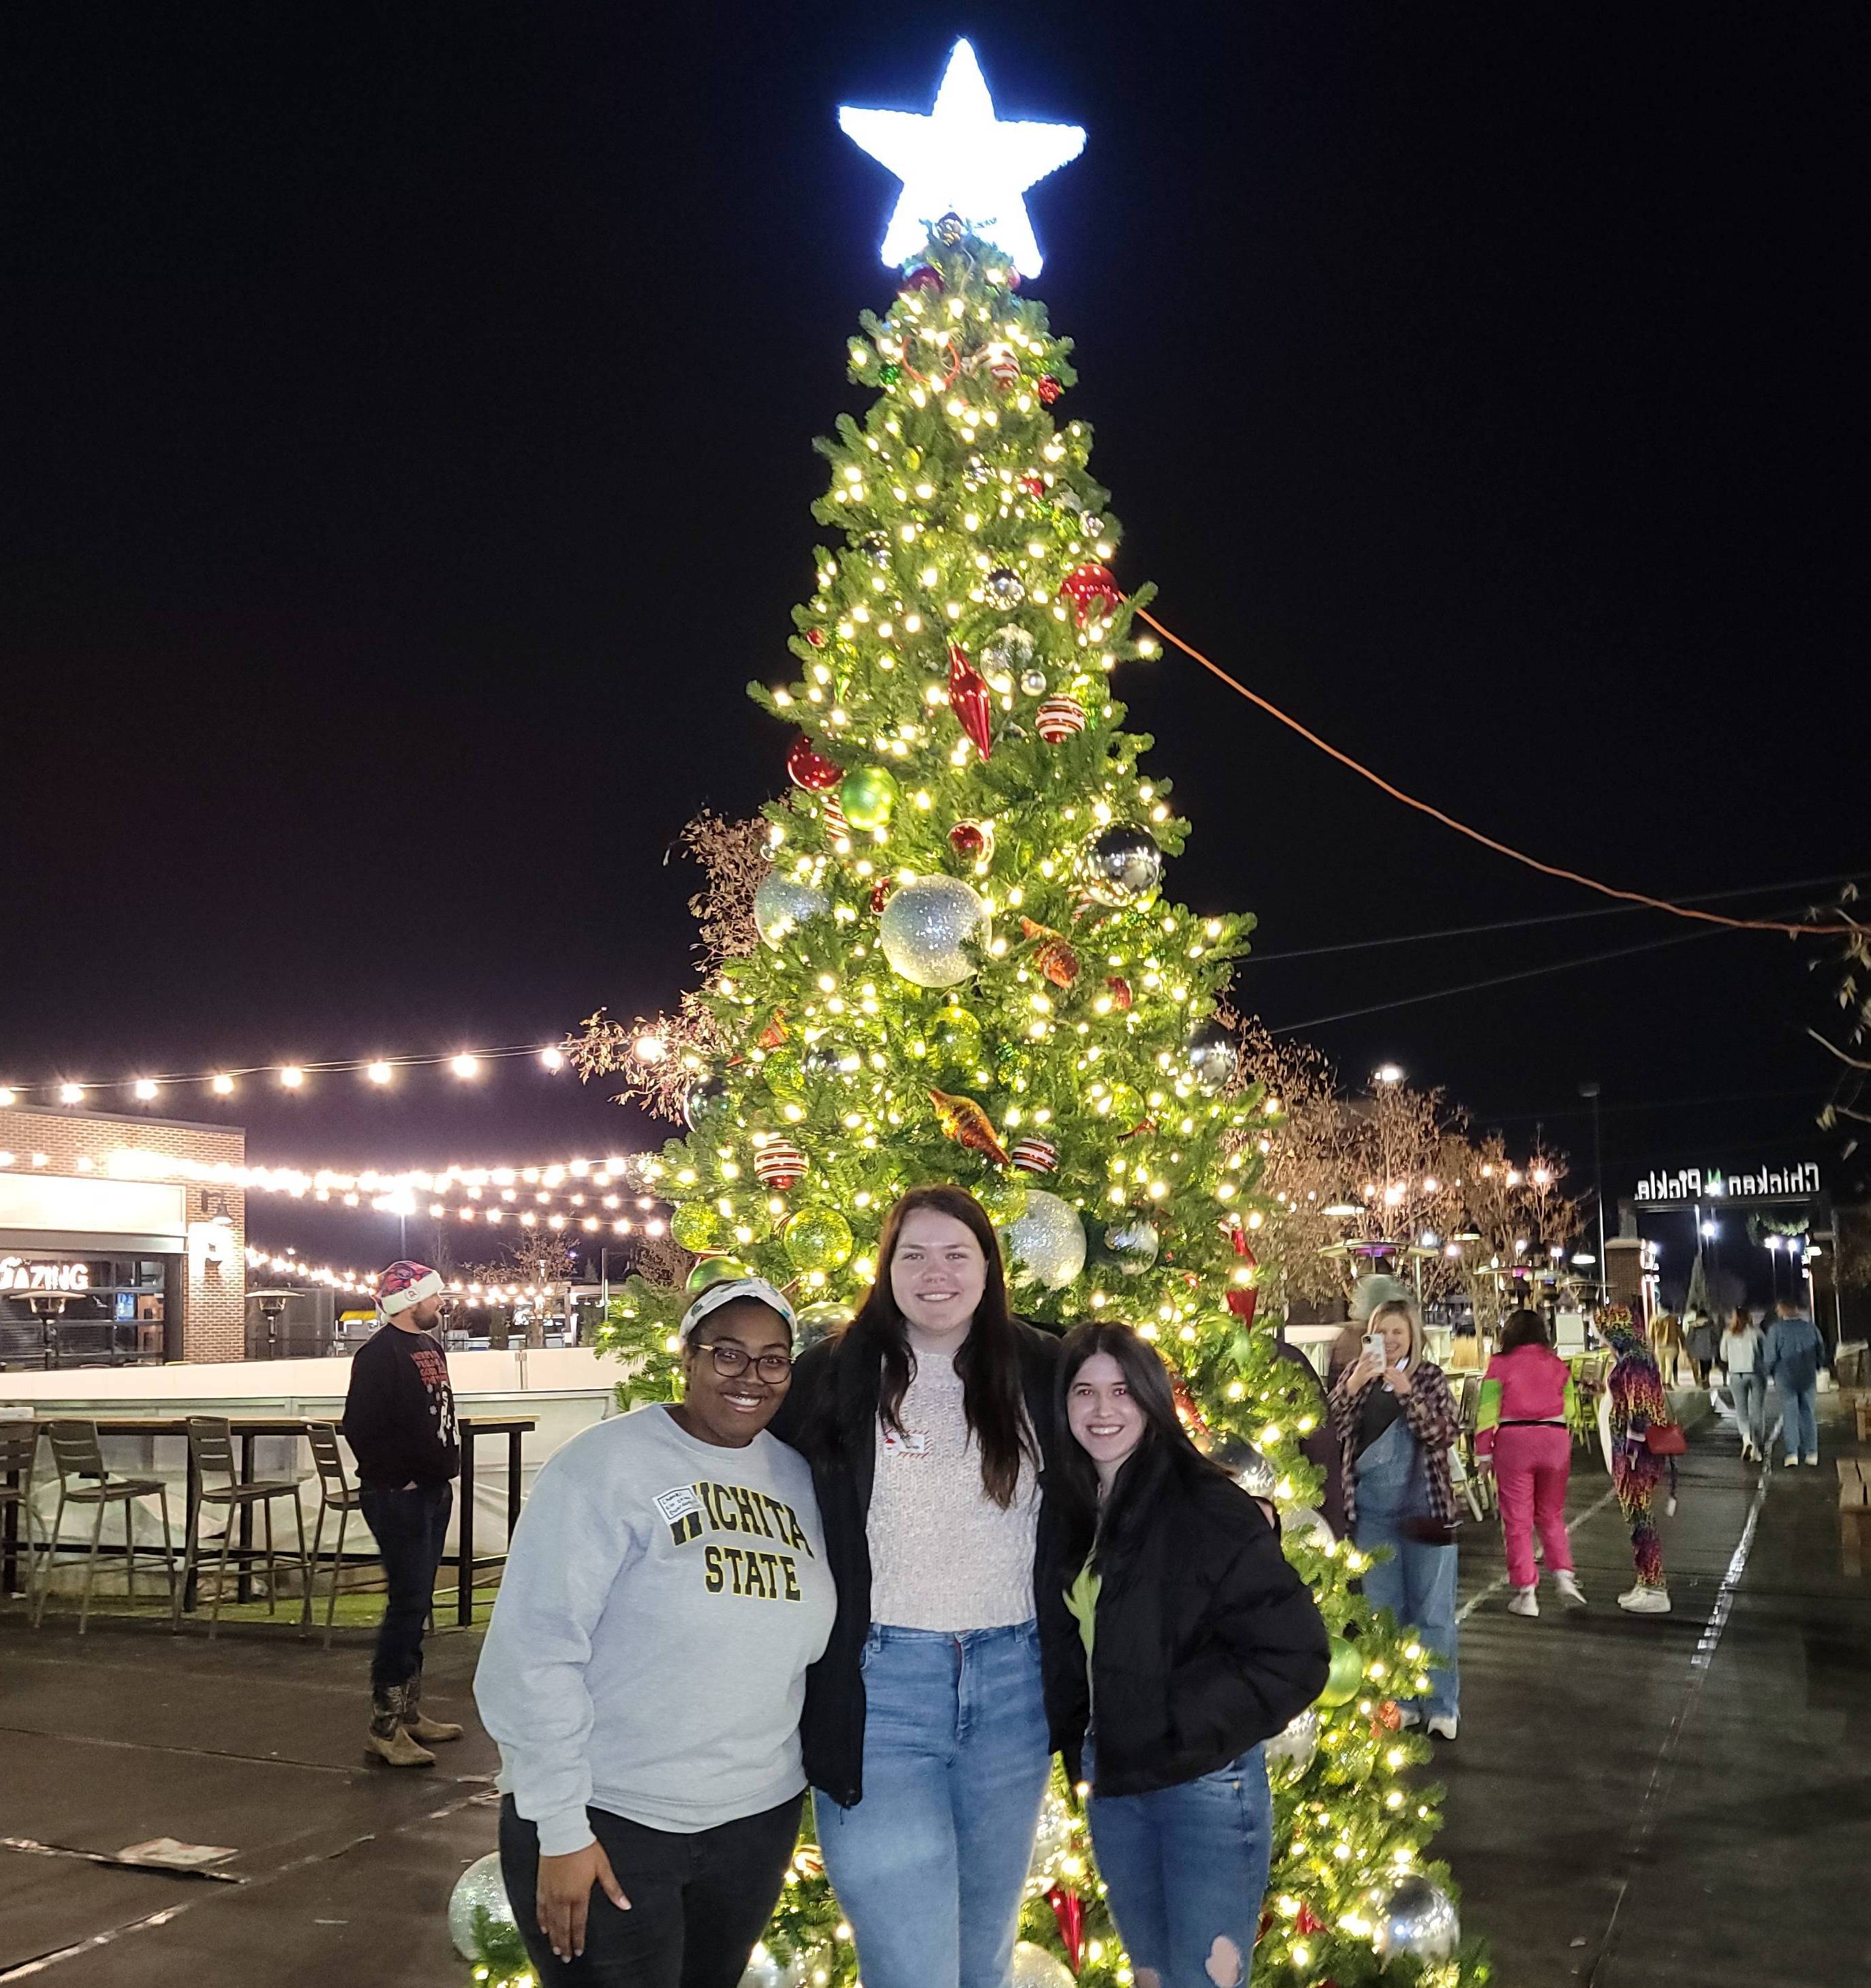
{"points": [[648, 1649]]}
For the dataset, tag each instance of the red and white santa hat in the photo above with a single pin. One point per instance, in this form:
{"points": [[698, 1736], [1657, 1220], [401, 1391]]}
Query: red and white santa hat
{"points": [[404, 1284]]}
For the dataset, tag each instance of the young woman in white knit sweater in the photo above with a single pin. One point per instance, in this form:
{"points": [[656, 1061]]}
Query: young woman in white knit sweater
{"points": [[927, 1422]]}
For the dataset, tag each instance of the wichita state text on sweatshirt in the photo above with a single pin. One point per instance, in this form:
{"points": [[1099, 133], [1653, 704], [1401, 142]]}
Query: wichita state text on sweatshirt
{"points": [[648, 1649]]}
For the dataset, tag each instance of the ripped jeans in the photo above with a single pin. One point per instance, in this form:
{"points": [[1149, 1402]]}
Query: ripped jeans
{"points": [[1186, 1869]]}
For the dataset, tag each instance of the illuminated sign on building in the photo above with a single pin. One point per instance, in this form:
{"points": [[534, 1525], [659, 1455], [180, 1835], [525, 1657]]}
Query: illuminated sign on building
{"points": [[1664, 1189], [17, 1274]]}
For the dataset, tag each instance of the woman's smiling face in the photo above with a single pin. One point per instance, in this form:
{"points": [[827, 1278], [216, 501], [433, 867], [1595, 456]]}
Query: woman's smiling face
{"points": [[1105, 1421], [937, 1273]]}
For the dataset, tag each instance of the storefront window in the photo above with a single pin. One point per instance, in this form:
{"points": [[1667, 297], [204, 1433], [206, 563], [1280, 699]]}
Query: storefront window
{"points": [[72, 1311]]}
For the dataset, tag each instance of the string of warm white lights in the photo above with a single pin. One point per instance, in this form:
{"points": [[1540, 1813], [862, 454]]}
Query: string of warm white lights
{"points": [[362, 1283], [464, 1064]]}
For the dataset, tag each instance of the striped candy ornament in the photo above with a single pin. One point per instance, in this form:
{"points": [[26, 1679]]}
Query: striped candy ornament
{"points": [[1059, 718], [1035, 1156], [834, 818], [778, 1164]]}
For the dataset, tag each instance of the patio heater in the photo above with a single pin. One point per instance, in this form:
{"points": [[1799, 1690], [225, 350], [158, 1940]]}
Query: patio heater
{"points": [[49, 1307]]}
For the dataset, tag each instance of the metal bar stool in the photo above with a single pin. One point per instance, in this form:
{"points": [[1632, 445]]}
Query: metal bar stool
{"points": [[211, 1453], [18, 1447], [83, 1480], [335, 1493]]}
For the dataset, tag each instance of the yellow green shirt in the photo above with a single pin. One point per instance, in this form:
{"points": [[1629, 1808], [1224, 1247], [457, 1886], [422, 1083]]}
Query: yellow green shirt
{"points": [[1081, 1598]]}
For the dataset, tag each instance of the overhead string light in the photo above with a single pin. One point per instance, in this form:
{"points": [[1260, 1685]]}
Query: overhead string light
{"points": [[362, 1283]]}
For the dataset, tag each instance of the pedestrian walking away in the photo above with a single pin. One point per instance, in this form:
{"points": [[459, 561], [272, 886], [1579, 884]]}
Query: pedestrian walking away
{"points": [[1634, 1406], [1524, 1433], [1742, 1345], [1792, 1358], [1699, 1337], [1395, 1420], [928, 1422], [399, 1420], [1177, 1640], [645, 1670]]}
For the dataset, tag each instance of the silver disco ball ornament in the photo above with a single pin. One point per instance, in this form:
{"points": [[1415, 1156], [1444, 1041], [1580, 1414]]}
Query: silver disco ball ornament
{"points": [[1034, 1967], [480, 1887], [768, 1970], [1245, 1464], [705, 1103], [1214, 1059], [1121, 864], [1004, 587], [1292, 1749], [819, 1321], [932, 929], [1419, 1920], [1134, 1245], [782, 905], [1047, 1244]]}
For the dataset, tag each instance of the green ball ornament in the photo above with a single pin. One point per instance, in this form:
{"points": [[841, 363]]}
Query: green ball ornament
{"points": [[695, 1226], [957, 1039], [868, 796], [1346, 1673], [715, 1270], [818, 1239]]}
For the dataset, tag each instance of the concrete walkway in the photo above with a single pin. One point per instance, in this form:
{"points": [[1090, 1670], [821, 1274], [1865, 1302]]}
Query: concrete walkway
{"points": [[1633, 1803]]}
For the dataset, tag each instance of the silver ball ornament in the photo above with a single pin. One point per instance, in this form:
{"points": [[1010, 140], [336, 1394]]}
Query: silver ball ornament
{"points": [[1312, 1527], [819, 1321], [1009, 649], [1419, 1919], [1134, 1245], [479, 1888], [705, 1103], [1292, 1749], [1245, 1464], [1033, 683], [1034, 1967], [932, 929], [1214, 1059], [1121, 864], [1047, 1244], [782, 905], [1004, 587]]}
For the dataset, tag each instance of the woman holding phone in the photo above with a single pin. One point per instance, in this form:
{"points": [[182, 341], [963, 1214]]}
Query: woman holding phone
{"points": [[927, 1421], [1178, 1640], [1395, 1420]]}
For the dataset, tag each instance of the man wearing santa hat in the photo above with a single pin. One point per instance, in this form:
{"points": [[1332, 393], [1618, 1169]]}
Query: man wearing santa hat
{"points": [[399, 1419]]}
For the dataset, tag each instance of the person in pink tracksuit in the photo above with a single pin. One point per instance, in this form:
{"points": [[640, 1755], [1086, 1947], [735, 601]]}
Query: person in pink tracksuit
{"points": [[1524, 1431]]}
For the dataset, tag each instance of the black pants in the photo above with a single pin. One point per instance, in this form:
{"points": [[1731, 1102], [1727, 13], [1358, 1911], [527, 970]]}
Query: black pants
{"points": [[698, 1903], [411, 1526]]}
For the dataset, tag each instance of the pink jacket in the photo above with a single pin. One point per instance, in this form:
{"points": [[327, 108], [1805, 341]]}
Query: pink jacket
{"points": [[1530, 1385]]}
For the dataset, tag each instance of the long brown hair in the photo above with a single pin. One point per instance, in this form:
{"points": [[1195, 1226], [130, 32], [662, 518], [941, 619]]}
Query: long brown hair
{"points": [[987, 1362]]}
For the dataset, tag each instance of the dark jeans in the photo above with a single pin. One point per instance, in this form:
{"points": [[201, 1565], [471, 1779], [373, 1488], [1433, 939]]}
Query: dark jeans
{"points": [[698, 1902], [410, 1526]]}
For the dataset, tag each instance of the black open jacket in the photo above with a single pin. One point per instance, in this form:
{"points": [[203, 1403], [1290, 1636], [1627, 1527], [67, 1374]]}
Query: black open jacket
{"points": [[1206, 1640], [830, 1416]]}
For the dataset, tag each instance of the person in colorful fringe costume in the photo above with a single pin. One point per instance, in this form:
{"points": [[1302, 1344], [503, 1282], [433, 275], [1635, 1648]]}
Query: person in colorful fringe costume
{"points": [[1635, 1400]]}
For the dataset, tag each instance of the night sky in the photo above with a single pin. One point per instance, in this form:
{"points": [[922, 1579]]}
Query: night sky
{"points": [[404, 460]]}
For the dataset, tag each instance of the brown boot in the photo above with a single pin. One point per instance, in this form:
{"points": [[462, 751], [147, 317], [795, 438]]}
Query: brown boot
{"points": [[412, 1721], [386, 1739]]}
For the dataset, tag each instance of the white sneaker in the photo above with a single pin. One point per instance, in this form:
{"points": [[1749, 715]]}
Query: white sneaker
{"points": [[1641, 1600], [1792, 1463], [1812, 1463], [1443, 1728], [1570, 1592], [1408, 1718], [1523, 1601]]}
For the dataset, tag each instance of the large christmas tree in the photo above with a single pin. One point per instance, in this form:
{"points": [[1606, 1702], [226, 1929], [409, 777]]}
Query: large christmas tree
{"points": [[965, 970]]}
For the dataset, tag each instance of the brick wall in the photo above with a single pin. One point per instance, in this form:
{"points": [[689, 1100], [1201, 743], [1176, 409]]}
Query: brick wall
{"points": [[92, 1143]]}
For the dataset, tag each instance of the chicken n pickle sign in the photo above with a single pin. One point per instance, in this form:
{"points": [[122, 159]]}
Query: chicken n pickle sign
{"points": [[1662, 1188]]}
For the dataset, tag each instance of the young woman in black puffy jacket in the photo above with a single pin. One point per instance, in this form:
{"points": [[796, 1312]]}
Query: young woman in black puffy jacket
{"points": [[1176, 1640]]}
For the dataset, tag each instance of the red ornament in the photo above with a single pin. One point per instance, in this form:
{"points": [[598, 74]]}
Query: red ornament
{"points": [[1059, 718], [1033, 484], [1053, 956], [836, 826], [1069, 1909], [1190, 1416], [972, 841], [965, 1123], [924, 278], [1035, 1156], [1049, 390], [880, 894], [775, 1031], [1090, 587], [809, 769], [1003, 367], [1390, 1716], [1119, 990], [1308, 1921], [778, 1164], [816, 637], [968, 698], [1243, 1299]]}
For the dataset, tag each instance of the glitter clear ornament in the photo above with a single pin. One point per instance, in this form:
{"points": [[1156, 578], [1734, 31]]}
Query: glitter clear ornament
{"points": [[1034, 1967], [782, 905], [1051, 1841], [817, 1239], [704, 1104], [1134, 1245], [1292, 1749], [766, 1969], [1418, 1922], [869, 795], [1009, 650], [1214, 1059], [931, 928], [1046, 1245], [1004, 587], [819, 1321], [479, 1888], [1121, 864]]}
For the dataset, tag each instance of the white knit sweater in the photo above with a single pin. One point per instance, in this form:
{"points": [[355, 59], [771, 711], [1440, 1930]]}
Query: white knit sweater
{"points": [[943, 1554]]}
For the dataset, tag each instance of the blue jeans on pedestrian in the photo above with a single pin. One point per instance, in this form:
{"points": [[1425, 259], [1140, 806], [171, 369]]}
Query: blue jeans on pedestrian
{"points": [[1185, 1868], [931, 1865], [1417, 1583], [1799, 1420], [1750, 1393], [412, 1526]]}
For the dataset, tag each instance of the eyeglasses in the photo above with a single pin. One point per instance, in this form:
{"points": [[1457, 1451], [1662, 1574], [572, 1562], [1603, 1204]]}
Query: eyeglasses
{"points": [[731, 1361]]}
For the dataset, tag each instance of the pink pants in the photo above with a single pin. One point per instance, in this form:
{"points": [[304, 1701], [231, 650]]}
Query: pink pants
{"points": [[1531, 1466]]}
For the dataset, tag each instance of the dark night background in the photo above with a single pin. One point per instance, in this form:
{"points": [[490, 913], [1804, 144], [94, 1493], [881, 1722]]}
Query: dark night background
{"points": [[406, 439]]}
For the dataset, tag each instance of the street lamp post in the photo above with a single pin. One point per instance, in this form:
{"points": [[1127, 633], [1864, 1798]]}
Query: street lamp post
{"points": [[1590, 1088]]}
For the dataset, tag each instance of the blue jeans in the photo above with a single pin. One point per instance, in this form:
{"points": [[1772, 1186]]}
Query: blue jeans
{"points": [[1186, 1869], [1750, 1393], [1417, 1583], [931, 1865], [411, 1526], [1799, 1419]]}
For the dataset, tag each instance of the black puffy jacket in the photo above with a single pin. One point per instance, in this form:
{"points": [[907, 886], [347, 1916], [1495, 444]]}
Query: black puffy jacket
{"points": [[1206, 1640], [830, 1416]]}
